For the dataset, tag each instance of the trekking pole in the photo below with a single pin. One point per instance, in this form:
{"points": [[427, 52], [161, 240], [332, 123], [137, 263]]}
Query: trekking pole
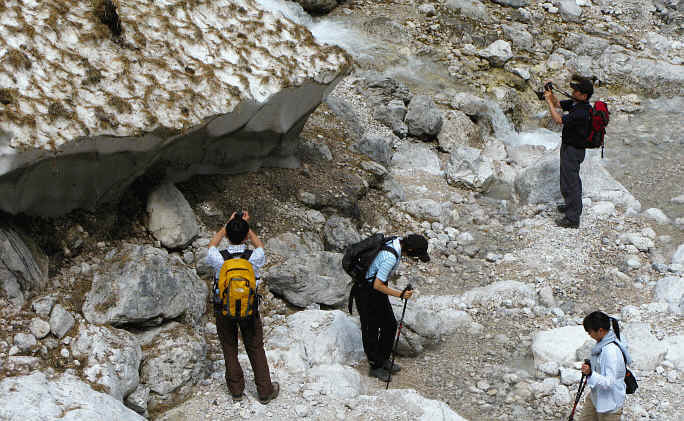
{"points": [[583, 383], [396, 341]]}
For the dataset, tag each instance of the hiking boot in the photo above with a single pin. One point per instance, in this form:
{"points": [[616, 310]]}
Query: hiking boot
{"points": [[566, 223], [238, 398], [273, 395], [562, 208], [395, 368], [380, 373]]}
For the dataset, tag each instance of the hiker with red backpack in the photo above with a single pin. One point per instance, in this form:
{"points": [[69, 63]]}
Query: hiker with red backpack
{"points": [[236, 305], [371, 262], [583, 127]]}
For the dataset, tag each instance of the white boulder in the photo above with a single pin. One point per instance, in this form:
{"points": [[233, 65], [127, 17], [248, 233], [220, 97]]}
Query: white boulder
{"points": [[559, 345]]}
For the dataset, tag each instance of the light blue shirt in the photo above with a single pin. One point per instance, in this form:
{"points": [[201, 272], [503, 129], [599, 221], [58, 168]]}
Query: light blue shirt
{"points": [[384, 264], [257, 259], [607, 380]]}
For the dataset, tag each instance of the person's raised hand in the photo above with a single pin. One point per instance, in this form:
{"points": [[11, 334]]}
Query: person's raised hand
{"points": [[245, 215], [548, 95], [586, 369], [407, 294], [232, 216]]}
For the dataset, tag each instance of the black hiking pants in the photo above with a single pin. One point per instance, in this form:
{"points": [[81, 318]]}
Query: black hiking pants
{"points": [[570, 182], [378, 325]]}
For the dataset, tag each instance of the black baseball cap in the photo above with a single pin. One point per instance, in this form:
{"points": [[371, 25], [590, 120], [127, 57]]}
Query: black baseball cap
{"points": [[582, 85], [416, 246]]}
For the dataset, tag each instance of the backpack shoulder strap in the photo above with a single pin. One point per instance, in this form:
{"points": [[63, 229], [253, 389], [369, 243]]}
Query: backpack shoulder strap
{"points": [[620, 349], [228, 255]]}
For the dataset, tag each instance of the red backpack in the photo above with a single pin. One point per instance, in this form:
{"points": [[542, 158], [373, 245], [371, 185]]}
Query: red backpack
{"points": [[600, 116]]}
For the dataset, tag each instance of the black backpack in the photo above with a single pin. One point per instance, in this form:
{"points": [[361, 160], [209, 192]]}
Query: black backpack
{"points": [[630, 381], [359, 256]]}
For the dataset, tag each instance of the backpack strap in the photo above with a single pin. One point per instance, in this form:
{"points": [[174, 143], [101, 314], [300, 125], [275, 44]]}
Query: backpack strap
{"points": [[228, 255], [385, 247], [623, 354]]}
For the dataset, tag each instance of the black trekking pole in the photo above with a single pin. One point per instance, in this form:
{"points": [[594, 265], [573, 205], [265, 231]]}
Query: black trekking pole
{"points": [[396, 341], [583, 383]]}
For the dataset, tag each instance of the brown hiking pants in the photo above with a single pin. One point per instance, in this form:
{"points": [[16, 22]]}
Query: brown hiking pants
{"points": [[589, 413], [253, 338]]}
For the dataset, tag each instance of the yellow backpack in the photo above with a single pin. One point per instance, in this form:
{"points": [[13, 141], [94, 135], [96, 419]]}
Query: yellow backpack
{"points": [[235, 292]]}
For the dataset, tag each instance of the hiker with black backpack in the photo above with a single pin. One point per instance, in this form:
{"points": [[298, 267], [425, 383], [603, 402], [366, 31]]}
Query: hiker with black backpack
{"points": [[236, 305], [371, 263], [577, 125], [607, 374]]}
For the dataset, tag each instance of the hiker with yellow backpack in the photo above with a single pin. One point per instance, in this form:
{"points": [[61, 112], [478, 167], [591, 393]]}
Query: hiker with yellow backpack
{"points": [[236, 304]]}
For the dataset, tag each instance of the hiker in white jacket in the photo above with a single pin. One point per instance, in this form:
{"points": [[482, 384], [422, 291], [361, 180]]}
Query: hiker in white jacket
{"points": [[606, 375]]}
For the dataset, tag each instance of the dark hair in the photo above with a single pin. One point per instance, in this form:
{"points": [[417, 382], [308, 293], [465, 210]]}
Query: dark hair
{"points": [[237, 229], [598, 319]]}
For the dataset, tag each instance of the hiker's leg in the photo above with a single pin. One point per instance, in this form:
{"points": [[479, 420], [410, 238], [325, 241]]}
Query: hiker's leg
{"points": [[362, 306], [374, 324], [388, 330], [227, 333], [574, 157], [564, 172], [588, 411], [253, 337]]}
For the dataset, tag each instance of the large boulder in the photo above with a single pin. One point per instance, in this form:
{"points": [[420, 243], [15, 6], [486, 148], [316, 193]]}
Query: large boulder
{"points": [[458, 130], [423, 118], [670, 290], [378, 147], [558, 345], [402, 404], [23, 266], [569, 10], [174, 361], [112, 358], [290, 244], [64, 397], [315, 337], [317, 277], [518, 35], [539, 182], [433, 317], [646, 350], [468, 168], [170, 217], [512, 293], [412, 157], [77, 135], [339, 233], [497, 53], [392, 115], [144, 285]]}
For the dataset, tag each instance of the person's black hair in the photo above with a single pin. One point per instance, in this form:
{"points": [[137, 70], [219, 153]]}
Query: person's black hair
{"points": [[598, 319], [236, 230]]}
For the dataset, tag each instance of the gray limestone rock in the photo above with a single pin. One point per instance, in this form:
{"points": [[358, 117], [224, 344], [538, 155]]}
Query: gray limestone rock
{"points": [[137, 400], [410, 158], [458, 130], [174, 361], [473, 9], [316, 150], [39, 328], [423, 118], [518, 35], [423, 209], [112, 358], [678, 256], [657, 215], [170, 217], [345, 112], [65, 397], [393, 190], [569, 10], [144, 285], [290, 244], [23, 266], [378, 147], [317, 277], [25, 341], [339, 233], [670, 290], [497, 53], [61, 321], [513, 3], [392, 115], [43, 305], [468, 168], [646, 350]]}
